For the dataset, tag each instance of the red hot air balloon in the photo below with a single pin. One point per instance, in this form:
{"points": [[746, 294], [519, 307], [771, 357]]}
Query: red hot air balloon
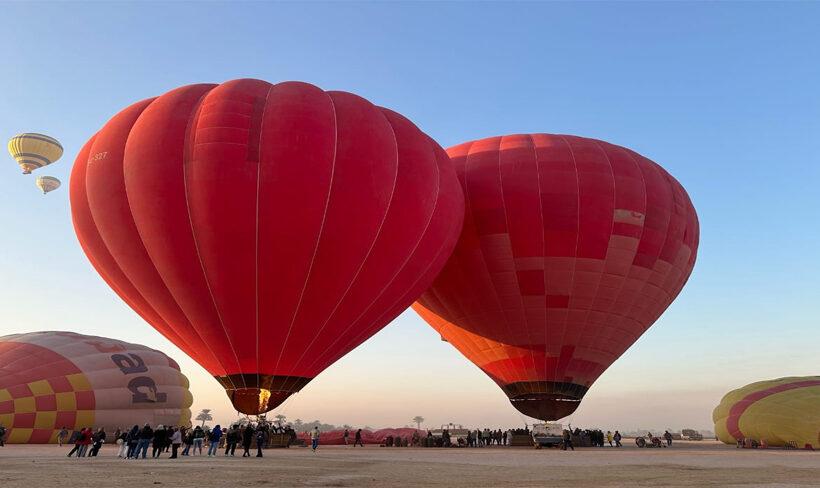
{"points": [[265, 229], [571, 249]]}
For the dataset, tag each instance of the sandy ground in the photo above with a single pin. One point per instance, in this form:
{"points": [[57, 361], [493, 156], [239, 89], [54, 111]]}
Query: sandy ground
{"points": [[684, 464]]}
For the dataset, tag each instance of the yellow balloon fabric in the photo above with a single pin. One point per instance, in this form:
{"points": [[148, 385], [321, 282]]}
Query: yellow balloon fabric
{"points": [[774, 412], [32, 150], [47, 183]]}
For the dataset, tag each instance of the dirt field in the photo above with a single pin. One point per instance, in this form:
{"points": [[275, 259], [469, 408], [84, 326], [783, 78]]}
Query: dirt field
{"points": [[684, 464]]}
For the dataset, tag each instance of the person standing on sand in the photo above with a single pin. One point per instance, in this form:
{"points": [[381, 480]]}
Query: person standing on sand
{"points": [[176, 441], [617, 438], [260, 440], [3, 435], [214, 438], [99, 440], [609, 437], [231, 439], [199, 437], [188, 440], [158, 443], [146, 435], [122, 441], [567, 441], [86, 441], [60, 437], [314, 438], [668, 437], [76, 447], [247, 440], [132, 439], [358, 438]]}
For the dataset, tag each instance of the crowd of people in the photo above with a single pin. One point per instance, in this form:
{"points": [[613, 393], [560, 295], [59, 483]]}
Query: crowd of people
{"points": [[135, 443]]}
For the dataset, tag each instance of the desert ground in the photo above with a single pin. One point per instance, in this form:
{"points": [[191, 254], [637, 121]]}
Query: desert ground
{"points": [[684, 464]]}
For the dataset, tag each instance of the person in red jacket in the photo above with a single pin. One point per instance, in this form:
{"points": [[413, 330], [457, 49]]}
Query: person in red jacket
{"points": [[85, 441]]}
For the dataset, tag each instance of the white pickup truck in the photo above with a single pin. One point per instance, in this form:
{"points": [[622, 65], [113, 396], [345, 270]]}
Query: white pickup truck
{"points": [[548, 434]]}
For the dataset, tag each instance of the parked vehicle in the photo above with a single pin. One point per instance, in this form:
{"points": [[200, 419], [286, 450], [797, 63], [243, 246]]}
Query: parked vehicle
{"points": [[547, 434]]}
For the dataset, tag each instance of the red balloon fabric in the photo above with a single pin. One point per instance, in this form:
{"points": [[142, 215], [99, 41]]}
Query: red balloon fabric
{"points": [[571, 249], [265, 229], [336, 437]]}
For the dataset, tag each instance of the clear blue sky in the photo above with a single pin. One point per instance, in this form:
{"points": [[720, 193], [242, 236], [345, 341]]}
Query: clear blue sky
{"points": [[726, 96]]}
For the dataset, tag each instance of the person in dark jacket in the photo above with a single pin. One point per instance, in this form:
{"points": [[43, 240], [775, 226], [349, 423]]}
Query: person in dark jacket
{"points": [[132, 439], [358, 438], [77, 439], [260, 441], [247, 440], [231, 439], [188, 440], [145, 437], [158, 441], [98, 440], [213, 440]]}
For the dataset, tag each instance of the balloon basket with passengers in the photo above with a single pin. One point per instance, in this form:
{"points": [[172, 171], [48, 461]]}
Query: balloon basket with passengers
{"points": [[275, 435]]}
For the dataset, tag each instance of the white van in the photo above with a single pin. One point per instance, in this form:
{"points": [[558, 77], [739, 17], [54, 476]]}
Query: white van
{"points": [[548, 434]]}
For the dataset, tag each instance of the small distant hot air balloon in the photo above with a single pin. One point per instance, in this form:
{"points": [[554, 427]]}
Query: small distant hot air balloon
{"points": [[571, 248], [775, 412], [50, 380], [265, 229], [47, 183], [32, 150]]}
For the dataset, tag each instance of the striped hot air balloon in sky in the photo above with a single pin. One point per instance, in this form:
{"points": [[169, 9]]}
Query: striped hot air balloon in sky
{"points": [[47, 183], [32, 150], [775, 412], [50, 380]]}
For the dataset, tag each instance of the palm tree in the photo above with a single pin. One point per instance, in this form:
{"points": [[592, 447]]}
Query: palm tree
{"points": [[418, 419], [280, 418], [297, 424], [205, 416]]}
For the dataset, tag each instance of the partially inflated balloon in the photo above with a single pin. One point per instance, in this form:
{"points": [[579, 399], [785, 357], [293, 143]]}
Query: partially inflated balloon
{"points": [[571, 249], [32, 150], [51, 380], [265, 229], [47, 184], [775, 412]]}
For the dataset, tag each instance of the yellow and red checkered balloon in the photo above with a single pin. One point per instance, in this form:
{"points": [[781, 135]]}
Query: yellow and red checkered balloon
{"points": [[55, 380]]}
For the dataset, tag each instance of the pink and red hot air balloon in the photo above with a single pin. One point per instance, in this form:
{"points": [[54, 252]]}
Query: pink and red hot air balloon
{"points": [[571, 249], [265, 229]]}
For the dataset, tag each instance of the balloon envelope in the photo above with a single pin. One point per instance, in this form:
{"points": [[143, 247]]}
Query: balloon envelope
{"points": [[571, 248], [774, 411], [32, 150], [51, 380], [265, 229], [47, 184]]}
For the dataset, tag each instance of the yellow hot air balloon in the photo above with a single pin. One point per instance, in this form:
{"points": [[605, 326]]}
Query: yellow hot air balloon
{"points": [[47, 183], [774, 412], [32, 150]]}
